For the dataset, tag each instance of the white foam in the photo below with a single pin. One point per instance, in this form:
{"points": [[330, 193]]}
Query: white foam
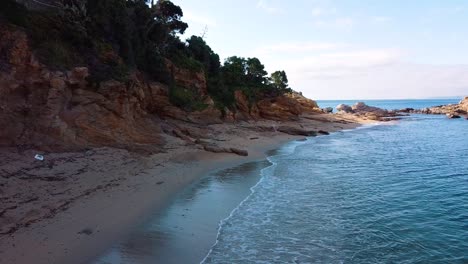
{"points": [[291, 146]]}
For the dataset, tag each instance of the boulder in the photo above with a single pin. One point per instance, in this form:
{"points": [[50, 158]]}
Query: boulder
{"points": [[344, 108], [361, 107], [327, 110], [216, 149], [453, 116], [323, 132], [240, 152], [297, 131]]}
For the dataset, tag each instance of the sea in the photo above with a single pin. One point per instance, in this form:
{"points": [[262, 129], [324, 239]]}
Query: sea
{"points": [[383, 193]]}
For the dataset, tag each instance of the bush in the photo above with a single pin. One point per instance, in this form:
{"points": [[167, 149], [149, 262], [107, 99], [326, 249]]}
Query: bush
{"points": [[183, 61], [13, 12], [186, 99]]}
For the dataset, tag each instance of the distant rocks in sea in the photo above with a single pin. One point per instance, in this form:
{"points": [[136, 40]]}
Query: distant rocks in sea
{"points": [[452, 111], [370, 112]]}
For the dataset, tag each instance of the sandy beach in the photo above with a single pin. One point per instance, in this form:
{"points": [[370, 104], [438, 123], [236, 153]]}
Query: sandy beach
{"points": [[71, 207]]}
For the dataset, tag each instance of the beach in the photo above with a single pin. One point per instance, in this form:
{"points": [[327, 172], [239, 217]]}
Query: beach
{"points": [[103, 193]]}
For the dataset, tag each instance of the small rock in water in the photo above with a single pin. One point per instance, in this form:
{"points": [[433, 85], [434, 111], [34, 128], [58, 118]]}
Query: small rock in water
{"points": [[327, 110], [453, 116], [323, 132], [86, 231]]}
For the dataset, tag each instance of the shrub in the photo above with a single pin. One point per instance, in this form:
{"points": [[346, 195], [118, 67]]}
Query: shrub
{"points": [[186, 99]]}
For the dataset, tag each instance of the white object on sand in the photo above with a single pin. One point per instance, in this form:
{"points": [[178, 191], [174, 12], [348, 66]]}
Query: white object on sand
{"points": [[39, 157]]}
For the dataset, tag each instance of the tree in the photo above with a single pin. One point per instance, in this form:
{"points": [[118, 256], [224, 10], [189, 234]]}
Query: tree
{"points": [[279, 82], [200, 51], [170, 15], [256, 74]]}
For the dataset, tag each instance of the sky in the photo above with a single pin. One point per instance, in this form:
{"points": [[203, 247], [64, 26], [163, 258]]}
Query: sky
{"points": [[344, 49]]}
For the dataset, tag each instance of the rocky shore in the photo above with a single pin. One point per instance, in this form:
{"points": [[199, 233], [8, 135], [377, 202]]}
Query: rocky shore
{"points": [[364, 111], [80, 164], [451, 111]]}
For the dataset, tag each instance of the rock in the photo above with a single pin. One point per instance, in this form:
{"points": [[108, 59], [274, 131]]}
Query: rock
{"points": [[452, 116], [78, 77], [344, 108], [322, 132], [242, 105], [189, 79], [361, 107], [240, 152], [297, 131], [216, 149], [208, 116], [327, 110], [406, 110], [182, 136]]}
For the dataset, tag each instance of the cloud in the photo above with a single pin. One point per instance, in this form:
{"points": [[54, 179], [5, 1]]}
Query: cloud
{"points": [[341, 64], [392, 81], [267, 7], [346, 72]]}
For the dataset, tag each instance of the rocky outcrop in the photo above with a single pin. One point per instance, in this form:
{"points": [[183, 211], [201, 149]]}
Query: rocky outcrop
{"points": [[297, 131], [451, 110], [59, 110], [327, 110], [286, 107], [218, 149], [344, 108], [366, 111], [245, 110], [194, 80]]}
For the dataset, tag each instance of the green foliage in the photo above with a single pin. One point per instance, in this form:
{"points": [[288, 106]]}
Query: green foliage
{"points": [[182, 60], [186, 99], [279, 82], [57, 54], [200, 51], [13, 12], [116, 37]]}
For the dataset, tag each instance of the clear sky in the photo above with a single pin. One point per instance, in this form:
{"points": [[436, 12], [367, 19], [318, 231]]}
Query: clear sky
{"points": [[345, 49]]}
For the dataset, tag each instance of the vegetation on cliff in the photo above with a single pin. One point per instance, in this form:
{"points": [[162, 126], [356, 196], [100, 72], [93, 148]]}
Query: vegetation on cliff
{"points": [[115, 38]]}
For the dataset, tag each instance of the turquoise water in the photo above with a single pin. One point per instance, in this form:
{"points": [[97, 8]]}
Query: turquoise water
{"points": [[392, 104], [392, 193], [383, 194]]}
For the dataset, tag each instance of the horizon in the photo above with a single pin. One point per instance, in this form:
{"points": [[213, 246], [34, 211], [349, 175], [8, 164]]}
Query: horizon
{"points": [[337, 50]]}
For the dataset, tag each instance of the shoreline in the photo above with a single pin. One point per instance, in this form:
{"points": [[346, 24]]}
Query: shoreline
{"points": [[92, 223]]}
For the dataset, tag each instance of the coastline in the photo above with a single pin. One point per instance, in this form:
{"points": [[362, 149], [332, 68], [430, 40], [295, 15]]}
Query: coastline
{"points": [[93, 222]]}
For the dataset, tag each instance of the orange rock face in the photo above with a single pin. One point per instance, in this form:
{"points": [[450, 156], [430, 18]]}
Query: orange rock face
{"points": [[188, 79], [54, 110], [286, 107]]}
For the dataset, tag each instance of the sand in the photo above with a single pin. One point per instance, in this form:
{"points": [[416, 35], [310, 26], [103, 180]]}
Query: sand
{"points": [[71, 207]]}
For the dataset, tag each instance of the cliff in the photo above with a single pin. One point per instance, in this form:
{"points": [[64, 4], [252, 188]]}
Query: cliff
{"points": [[61, 110]]}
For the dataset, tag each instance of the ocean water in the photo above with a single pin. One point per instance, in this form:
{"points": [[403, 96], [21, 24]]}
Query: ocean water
{"points": [[382, 194], [389, 193], [392, 104]]}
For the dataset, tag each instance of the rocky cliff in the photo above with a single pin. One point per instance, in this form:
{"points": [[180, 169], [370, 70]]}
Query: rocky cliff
{"points": [[60, 110]]}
